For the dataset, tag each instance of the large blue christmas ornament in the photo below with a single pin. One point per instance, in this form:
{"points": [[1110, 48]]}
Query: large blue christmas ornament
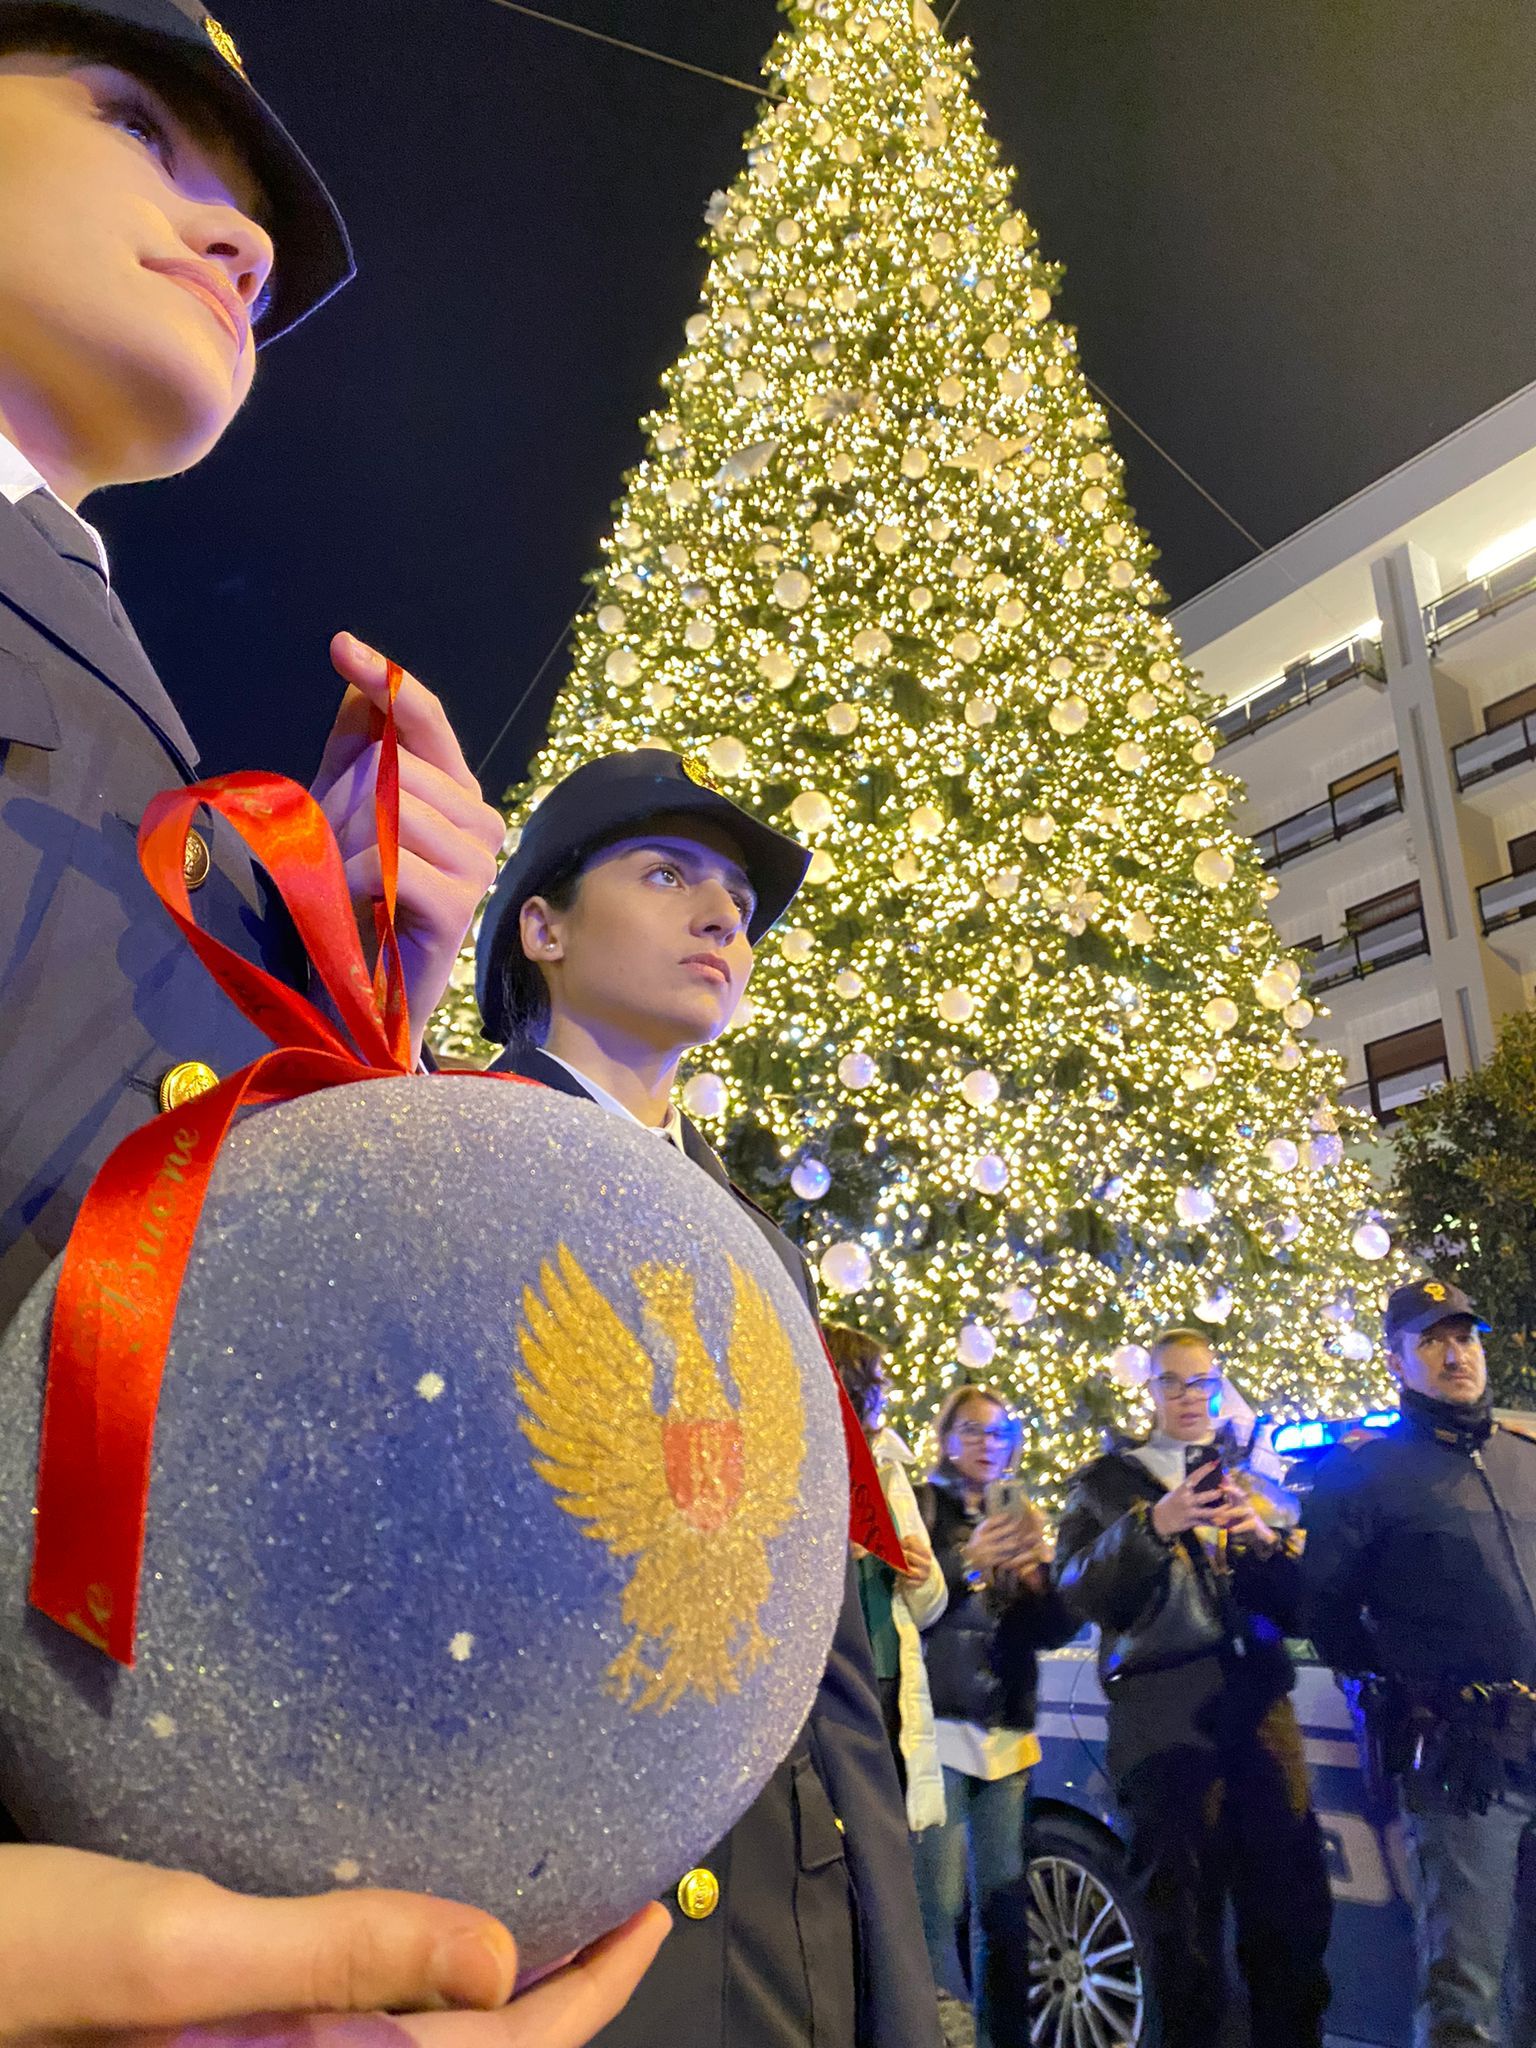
{"points": [[497, 1527]]}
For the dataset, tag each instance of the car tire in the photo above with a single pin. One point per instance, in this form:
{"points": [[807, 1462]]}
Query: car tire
{"points": [[1088, 1969]]}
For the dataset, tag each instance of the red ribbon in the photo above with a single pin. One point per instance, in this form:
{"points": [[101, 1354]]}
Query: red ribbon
{"points": [[123, 1266]]}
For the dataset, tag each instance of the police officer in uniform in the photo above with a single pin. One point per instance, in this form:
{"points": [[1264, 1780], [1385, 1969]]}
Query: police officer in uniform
{"points": [[618, 938], [1420, 1572], [157, 227]]}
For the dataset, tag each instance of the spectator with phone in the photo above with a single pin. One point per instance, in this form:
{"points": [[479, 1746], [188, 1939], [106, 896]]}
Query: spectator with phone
{"points": [[992, 1547], [897, 1605], [1193, 1592]]}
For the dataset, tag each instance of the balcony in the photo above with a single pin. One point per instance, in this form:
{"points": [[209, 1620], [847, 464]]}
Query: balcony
{"points": [[1488, 754], [1480, 599], [1303, 683], [1334, 818], [1361, 953]]}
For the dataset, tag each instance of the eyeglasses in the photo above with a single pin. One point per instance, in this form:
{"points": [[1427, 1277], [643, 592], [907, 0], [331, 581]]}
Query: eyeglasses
{"points": [[1171, 1383], [985, 1432]]}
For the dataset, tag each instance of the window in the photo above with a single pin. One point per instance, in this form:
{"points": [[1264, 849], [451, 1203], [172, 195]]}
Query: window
{"points": [[1403, 1068], [1389, 764], [1508, 709], [1378, 910], [1522, 854]]}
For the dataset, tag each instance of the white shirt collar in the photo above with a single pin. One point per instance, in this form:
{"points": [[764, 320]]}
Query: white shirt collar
{"points": [[19, 479], [671, 1129]]}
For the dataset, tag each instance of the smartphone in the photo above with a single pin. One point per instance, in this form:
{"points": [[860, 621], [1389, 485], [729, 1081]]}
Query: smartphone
{"points": [[1203, 1460], [1005, 1497]]}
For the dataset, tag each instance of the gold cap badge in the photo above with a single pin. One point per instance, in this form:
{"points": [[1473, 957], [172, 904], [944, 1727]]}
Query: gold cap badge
{"points": [[697, 770], [224, 43]]}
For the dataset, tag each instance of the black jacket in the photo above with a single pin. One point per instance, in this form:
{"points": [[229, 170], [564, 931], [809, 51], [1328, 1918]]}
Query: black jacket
{"points": [[1161, 1605], [981, 1652], [817, 1936], [1421, 1553]]}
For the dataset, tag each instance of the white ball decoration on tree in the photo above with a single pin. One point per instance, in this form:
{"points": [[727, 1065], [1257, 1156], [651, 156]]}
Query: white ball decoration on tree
{"points": [[1273, 990], [980, 712], [870, 645], [1220, 1014], [846, 1267], [856, 1070], [1372, 1241], [989, 1173], [926, 823], [1282, 1155], [1132, 756], [811, 811], [1129, 1365], [622, 666], [956, 1005], [1021, 1305], [610, 619], [822, 868], [848, 984], [1194, 1205], [797, 943], [810, 1180], [1197, 1074], [726, 755], [1068, 715], [1299, 1015], [778, 668], [1324, 1151], [842, 719], [1003, 884], [1354, 1344], [980, 1088], [1039, 828], [977, 1346], [1216, 1306], [1213, 869], [704, 1095], [791, 589]]}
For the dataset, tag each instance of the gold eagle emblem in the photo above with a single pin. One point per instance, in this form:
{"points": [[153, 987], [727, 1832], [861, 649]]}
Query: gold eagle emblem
{"points": [[693, 1492]]}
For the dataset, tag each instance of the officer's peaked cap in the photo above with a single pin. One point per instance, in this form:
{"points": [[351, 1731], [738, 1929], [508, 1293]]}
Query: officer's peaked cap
{"points": [[314, 257], [599, 802], [1423, 1303]]}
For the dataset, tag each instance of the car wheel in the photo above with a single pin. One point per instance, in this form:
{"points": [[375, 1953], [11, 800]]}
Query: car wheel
{"points": [[1086, 1983]]}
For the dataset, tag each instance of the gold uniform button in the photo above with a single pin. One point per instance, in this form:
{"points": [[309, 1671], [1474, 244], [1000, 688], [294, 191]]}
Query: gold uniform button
{"points": [[184, 1082], [699, 1894], [195, 861]]}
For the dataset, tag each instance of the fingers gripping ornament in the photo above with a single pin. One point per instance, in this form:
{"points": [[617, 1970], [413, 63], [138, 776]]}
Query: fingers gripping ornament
{"points": [[490, 1534]]}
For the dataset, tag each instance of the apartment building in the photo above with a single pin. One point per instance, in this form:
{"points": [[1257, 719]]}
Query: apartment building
{"points": [[1377, 682]]}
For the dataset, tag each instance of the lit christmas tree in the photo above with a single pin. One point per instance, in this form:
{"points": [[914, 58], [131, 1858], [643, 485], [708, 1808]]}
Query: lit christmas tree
{"points": [[1024, 1073]]}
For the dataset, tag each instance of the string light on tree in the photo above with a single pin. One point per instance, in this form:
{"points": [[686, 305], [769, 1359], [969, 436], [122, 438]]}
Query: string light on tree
{"points": [[878, 476]]}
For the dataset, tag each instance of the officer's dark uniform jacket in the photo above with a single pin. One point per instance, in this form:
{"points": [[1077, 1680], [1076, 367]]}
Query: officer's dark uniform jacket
{"points": [[100, 996], [1421, 1550], [815, 1941]]}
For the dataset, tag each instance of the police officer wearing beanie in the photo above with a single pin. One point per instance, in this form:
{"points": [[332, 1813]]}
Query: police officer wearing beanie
{"points": [[158, 227], [1420, 1573], [619, 938]]}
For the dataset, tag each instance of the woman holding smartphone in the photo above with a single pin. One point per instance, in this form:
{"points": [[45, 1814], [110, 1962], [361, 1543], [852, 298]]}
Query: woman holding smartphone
{"points": [[1193, 1590], [992, 1548]]}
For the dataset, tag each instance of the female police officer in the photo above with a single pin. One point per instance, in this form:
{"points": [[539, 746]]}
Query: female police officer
{"points": [[157, 226], [620, 937]]}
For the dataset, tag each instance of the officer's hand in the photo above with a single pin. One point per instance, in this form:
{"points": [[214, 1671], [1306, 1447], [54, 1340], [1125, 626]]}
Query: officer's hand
{"points": [[100, 1954], [1189, 1505], [449, 836]]}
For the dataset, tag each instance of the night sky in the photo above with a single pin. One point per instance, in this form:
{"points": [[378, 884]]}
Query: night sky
{"points": [[1298, 241]]}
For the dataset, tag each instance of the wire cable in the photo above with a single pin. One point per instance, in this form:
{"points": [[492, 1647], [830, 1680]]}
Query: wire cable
{"points": [[538, 676], [597, 35]]}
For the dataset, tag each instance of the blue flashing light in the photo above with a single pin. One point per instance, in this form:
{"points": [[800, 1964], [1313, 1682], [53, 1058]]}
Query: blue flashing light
{"points": [[1301, 1436], [1380, 1418]]}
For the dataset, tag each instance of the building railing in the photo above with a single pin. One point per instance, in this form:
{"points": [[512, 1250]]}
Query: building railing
{"points": [[1334, 818], [1302, 683], [1479, 599], [1507, 900], [1367, 952], [1489, 753]]}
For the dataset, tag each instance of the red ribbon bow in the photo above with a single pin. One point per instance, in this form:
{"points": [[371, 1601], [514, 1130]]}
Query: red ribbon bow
{"points": [[123, 1266]]}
